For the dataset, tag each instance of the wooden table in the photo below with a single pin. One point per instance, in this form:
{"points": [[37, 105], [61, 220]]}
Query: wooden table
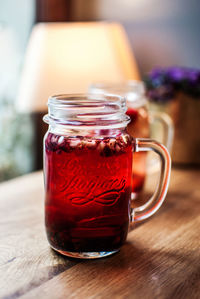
{"points": [[161, 258]]}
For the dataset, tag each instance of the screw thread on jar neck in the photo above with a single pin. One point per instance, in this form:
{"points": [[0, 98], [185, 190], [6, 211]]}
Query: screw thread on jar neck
{"points": [[87, 111]]}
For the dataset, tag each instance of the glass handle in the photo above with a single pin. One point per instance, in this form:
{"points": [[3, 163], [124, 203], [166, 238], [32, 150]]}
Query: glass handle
{"points": [[168, 127], [155, 202]]}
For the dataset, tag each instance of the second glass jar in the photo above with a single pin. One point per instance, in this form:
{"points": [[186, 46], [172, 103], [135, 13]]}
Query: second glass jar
{"points": [[140, 124]]}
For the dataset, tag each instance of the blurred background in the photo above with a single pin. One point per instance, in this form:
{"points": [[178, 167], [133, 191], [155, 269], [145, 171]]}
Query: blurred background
{"points": [[159, 33]]}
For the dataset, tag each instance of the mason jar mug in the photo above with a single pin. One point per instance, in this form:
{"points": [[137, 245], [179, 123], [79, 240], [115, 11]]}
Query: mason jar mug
{"points": [[88, 175]]}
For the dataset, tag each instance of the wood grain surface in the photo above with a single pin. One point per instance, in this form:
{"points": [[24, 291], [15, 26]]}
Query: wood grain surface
{"points": [[161, 258]]}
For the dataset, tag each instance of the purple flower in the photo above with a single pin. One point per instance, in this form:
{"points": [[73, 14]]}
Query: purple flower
{"points": [[161, 94], [193, 76], [162, 84], [156, 73], [176, 74]]}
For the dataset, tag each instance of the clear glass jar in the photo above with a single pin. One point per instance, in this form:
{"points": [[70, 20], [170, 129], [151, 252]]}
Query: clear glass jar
{"points": [[139, 126], [87, 170]]}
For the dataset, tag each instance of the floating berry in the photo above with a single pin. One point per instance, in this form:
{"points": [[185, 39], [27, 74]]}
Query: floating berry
{"points": [[106, 146]]}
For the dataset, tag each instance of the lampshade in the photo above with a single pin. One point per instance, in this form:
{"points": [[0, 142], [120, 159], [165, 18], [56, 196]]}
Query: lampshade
{"points": [[67, 57]]}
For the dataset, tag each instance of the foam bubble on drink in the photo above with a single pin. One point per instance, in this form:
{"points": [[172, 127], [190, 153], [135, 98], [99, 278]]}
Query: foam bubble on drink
{"points": [[75, 142], [90, 143]]}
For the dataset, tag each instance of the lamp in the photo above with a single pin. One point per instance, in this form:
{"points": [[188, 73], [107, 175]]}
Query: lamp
{"points": [[67, 57]]}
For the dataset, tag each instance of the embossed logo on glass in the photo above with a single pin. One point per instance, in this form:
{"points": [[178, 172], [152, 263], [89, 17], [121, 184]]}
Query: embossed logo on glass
{"points": [[110, 191]]}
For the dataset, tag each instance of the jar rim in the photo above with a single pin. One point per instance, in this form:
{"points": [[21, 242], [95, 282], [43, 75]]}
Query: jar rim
{"points": [[87, 110], [67, 99], [132, 90]]}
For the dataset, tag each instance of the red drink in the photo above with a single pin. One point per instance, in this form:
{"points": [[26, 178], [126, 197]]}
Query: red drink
{"points": [[138, 127], [88, 187]]}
